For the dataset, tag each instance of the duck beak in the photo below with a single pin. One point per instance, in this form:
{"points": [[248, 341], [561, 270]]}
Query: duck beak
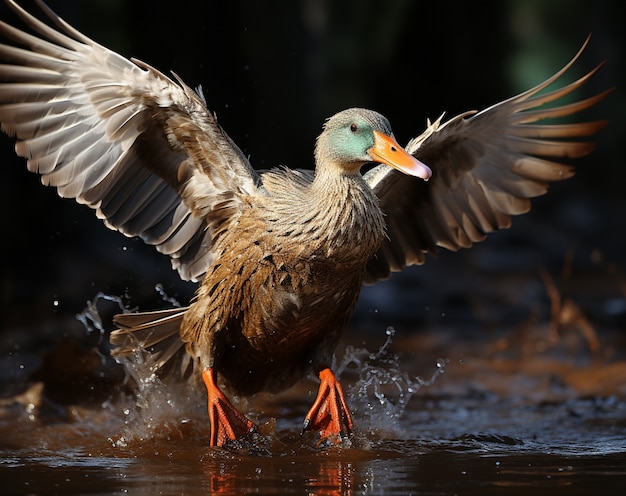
{"points": [[386, 150]]}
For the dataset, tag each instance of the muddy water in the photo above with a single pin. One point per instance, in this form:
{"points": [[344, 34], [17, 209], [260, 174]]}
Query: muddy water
{"points": [[467, 422]]}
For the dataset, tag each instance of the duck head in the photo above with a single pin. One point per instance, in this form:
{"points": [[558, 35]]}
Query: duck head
{"points": [[357, 136]]}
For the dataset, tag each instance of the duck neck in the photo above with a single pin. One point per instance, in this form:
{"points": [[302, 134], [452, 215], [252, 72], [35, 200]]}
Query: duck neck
{"points": [[352, 224]]}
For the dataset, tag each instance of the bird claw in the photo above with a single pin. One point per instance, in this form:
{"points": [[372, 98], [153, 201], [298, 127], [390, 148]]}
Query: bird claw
{"points": [[329, 414], [227, 423]]}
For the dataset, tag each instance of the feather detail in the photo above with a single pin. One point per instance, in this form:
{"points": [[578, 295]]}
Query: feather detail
{"points": [[486, 166], [139, 148]]}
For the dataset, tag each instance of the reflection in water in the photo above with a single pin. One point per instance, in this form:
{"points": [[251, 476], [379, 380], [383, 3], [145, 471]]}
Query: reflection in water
{"points": [[311, 474], [335, 477]]}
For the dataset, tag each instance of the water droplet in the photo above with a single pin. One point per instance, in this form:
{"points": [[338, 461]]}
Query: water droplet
{"points": [[169, 299], [390, 331]]}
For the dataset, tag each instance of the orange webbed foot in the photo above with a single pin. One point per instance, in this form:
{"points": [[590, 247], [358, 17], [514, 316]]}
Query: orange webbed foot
{"points": [[227, 423], [329, 413]]}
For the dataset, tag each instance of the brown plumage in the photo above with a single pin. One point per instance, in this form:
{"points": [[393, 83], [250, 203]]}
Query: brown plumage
{"points": [[282, 254]]}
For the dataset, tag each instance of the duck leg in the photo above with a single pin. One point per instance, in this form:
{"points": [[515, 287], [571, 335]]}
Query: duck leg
{"points": [[227, 423], [329, 413]]}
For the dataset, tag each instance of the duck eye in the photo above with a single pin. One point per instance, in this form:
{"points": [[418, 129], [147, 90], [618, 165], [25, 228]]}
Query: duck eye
{"points": [[354, 128]]}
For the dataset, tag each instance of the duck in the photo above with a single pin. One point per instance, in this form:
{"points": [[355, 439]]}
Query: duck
{"points": [[280, 255]]}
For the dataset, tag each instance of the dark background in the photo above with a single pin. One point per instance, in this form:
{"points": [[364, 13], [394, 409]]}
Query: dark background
{"points": [[273, 71]]}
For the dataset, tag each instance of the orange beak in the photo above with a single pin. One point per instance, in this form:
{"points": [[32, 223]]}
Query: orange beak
{"points": [[386, 150]]}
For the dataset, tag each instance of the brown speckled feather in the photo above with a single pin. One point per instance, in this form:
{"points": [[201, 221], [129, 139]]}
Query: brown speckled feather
{"points": [[274, 304]]}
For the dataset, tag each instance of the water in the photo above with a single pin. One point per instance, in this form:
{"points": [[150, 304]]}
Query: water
{"points": [[440, 452], [465, 416], [447, 438]]}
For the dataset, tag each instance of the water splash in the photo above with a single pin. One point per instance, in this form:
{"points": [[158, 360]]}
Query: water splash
{"points": [[382, 389], [90, 317], [379, 388], [154, 408], [167, 298]]}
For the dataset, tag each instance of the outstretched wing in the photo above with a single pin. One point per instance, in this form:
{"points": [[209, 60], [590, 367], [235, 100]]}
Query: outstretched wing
{"points": [[485, 167], [121, 137]]}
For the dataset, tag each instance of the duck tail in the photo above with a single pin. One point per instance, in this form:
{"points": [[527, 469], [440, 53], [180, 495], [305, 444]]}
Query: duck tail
{"points": [[149, 343]]}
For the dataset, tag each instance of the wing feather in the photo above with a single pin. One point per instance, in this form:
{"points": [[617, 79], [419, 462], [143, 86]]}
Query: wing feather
{"points": [[118, 135], [486, 166]]}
